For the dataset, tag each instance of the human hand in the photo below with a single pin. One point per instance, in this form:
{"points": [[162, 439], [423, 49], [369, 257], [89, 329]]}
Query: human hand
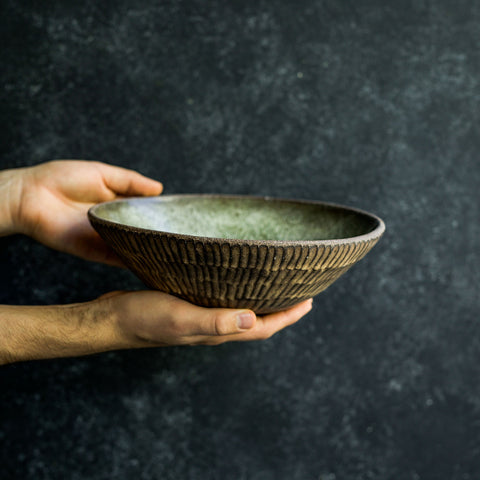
{"points": [[124, 320], [53, 199], [152, 318]]}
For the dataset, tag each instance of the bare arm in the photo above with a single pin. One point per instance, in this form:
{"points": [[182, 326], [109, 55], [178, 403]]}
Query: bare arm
{"points": [[122, 320]]}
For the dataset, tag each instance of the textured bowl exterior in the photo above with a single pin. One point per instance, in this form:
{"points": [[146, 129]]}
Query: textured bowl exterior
{"points": [[265, 276]]}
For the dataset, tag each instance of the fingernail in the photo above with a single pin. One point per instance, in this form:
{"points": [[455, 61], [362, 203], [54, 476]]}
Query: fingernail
{"points": [[245, 320]]}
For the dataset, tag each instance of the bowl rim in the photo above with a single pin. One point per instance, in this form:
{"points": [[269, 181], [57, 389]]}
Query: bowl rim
{"points": [[375, 234]]}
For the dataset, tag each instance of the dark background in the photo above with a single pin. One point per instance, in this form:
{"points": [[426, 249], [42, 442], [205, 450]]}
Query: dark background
{"points": [[370, 103]]}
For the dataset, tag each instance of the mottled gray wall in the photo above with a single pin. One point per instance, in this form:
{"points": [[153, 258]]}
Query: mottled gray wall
{"points": [[369, 103]]}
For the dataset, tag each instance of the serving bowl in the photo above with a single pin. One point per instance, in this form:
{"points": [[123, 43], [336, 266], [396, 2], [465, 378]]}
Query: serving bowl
{"points": [[260, 253]]}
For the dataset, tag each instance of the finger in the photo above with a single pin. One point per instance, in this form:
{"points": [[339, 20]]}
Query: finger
{"points": [[84, 242], [108, 257], [191, 321], [271, 324], [266, 326], [96, 250], [128, 182]]}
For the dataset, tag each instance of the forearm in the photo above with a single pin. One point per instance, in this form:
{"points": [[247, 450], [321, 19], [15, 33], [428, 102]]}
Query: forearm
{"points": [[40, 332], [10, 195]]}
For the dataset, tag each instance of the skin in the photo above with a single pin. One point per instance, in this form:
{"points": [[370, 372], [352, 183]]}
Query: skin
{"points": [[49, 202]]}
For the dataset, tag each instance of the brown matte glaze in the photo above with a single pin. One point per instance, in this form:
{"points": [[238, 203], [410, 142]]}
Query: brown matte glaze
{"points": [[265, 276]]}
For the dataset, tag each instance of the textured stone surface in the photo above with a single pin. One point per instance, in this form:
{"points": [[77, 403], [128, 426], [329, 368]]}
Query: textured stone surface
{"points": [[373, 104]]}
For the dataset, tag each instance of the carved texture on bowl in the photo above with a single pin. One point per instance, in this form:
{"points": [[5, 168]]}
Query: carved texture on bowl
{"points": [[216, 273]]}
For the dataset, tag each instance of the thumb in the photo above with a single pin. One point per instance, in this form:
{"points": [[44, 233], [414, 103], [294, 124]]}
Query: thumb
{"points": [[128, 182], [226, 322], [217, 321]]}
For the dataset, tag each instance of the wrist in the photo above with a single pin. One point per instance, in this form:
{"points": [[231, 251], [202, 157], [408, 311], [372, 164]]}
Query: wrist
{"points": [[11, 188], [116, 310]]}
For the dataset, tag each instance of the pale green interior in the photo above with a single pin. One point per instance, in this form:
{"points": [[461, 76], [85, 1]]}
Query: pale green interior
{"points": [[238, 218]]}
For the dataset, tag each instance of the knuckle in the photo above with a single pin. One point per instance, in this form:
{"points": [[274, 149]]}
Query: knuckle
{"points": [[175, 326], [220, 323]]}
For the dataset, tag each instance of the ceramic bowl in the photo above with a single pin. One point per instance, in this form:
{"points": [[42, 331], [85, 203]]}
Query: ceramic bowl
{"points": [[259, 253]]}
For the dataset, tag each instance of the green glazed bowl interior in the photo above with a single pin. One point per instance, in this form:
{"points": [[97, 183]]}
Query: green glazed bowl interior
{"points": [[239, 218]]}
